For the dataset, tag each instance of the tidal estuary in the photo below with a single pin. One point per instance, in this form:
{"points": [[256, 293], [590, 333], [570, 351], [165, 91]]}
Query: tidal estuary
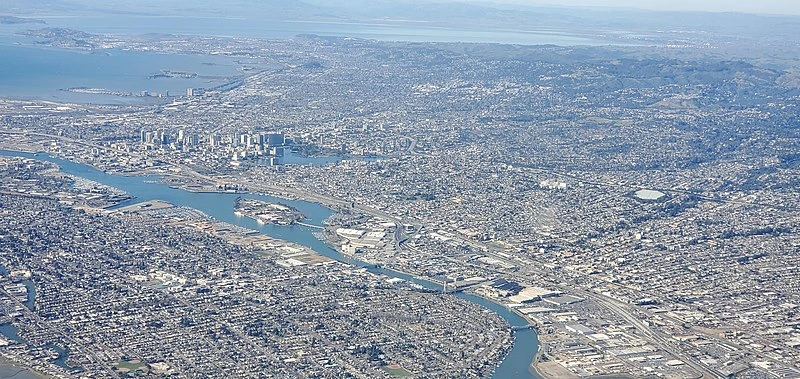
{"points": [[220, 206]]}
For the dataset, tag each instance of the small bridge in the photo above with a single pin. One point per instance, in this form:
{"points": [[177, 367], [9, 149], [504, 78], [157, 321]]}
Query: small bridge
{"points": [[309, 225], [523, 327]]}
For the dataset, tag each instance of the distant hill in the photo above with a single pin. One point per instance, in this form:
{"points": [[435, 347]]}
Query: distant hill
{"points": [[229, 8], [19, 20], [768, 40]]}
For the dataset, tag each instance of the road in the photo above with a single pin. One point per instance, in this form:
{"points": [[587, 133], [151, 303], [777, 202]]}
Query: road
{"points": [[73, 344], [489, 250]]}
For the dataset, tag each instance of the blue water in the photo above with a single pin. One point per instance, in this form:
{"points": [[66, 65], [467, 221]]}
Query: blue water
{"points": [[256, 27], [11, 332], [11, 371], [63, 355], [28, 284], [33, 72], [526, 343], [39, 73], [221, 207]]}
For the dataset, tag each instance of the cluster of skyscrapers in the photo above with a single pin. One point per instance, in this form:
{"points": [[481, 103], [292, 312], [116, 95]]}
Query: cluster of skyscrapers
{"points": [[239, 147]]}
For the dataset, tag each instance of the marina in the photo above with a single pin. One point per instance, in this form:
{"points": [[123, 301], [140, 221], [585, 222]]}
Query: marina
{"points": [[220, 206]]}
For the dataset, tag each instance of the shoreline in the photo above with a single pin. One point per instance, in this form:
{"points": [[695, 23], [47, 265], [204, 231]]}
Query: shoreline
{"points": [[19, 370], [330, 203], [533, 366]]}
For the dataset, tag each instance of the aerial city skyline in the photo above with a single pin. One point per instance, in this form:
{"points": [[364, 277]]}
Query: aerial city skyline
{"points": [[480, 189]]}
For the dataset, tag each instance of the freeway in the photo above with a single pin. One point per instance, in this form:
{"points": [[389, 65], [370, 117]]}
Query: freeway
{"points": [[487, 249], [528, 271], [662, 342]]}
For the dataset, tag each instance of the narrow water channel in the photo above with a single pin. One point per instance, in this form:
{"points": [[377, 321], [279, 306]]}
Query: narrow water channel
{"points": [[220, 206]]}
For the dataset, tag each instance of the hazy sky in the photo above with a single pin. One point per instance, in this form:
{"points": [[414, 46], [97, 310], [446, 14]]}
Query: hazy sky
{"points": [[745, 6]]}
